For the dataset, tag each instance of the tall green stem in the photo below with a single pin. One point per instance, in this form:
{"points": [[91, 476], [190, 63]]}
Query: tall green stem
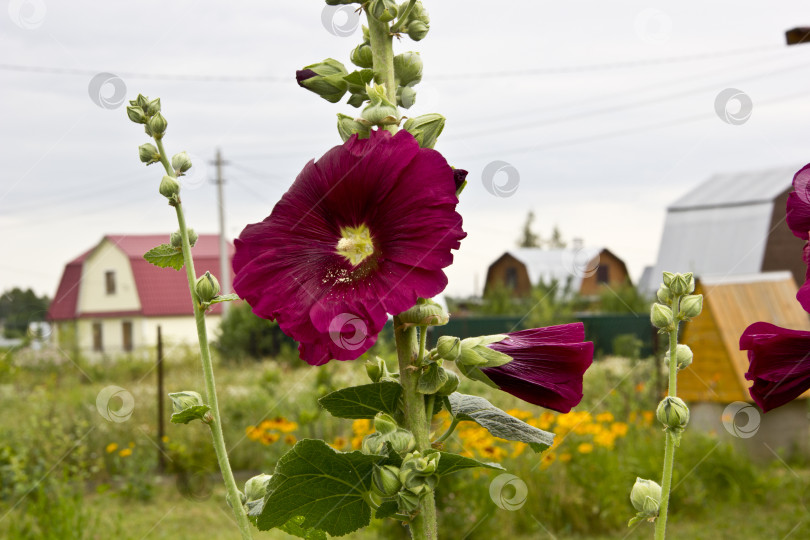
{"points": [[669, 451], [423, 526], [207, 367], [382, 55]]}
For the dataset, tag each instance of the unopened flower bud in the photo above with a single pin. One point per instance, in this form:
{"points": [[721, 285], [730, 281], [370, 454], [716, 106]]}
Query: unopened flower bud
{"points": [[451, 385], [401, 441], [176, 239], [664, 295], [692, 305], [361, 56], [136, 114], [679, 284], [646, 497], [380, 111], [425, 129], [385, 424], [661, 316], [148, 153], [417, 30], [673, 413], [407, 502], [408, 68], [153, 108], [385, 480], [185, 400], [207, 287], [383, 10], [181, 162], [668, 278], [406, 97], [683, 356], [426, 312], [157, 125], [169, 187], [141, 101], [348, 126], [325, 79], [256, 487], [448, 347], [376, 369]]}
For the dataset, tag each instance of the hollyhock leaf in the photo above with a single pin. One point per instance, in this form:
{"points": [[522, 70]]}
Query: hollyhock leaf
{"points": [[165, 256], [363, 401], [450, 463], [294, 528], [324, 487], [185, 416], [497, 422]]}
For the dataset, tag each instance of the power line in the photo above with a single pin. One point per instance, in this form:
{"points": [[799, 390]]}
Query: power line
{"points": [[630, 131], [47, 70]]}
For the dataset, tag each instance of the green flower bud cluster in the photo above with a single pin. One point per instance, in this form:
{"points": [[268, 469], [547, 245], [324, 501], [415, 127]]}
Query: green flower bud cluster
{"points": [[472, 354], [415, 23], [435, 379], [387, 435], [142, 110], [676, 290], [255, 491], [206, 287], [408, 73], [646, 498], [418, 476]]}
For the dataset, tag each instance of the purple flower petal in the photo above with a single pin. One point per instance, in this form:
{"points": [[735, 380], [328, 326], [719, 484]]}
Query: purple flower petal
{"points": [[798, 204], [288, 267], [547, 365], [779, 363]]}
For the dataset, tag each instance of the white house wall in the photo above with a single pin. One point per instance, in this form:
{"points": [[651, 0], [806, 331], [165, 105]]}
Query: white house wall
{"points": [[93, 297]]}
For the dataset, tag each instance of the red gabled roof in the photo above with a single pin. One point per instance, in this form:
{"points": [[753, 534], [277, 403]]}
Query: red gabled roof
{"points": [[162, 291]]}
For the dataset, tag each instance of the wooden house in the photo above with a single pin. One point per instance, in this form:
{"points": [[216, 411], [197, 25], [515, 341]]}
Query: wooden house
{"points": [[716, 379], [731, 224], [581, 270]]}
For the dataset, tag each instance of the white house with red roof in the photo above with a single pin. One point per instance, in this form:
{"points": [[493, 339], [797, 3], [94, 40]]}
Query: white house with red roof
{"points": [[110, 300]]}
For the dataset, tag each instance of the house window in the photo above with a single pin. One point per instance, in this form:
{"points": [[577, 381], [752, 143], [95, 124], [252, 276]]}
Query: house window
{"points": [[109, 279], [511, 277], [602, 273], [126, 335], [98, 342]]}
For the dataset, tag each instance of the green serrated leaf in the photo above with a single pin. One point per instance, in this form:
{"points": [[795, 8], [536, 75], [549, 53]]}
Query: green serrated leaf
{"points": [[294, 528], [386, 509], [323, 486], [363, 401], [192, 413], [224, 298], [497, 422], [165, 256], [450, 463]]}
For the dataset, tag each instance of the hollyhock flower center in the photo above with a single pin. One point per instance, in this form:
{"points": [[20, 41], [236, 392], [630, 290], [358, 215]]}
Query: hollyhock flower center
{"points": [[355, 244]]}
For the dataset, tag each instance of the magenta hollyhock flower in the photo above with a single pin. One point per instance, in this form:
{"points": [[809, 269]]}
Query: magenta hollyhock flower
{"points": [[779, 363], [363, 232], [547, 365], [798, 219]]}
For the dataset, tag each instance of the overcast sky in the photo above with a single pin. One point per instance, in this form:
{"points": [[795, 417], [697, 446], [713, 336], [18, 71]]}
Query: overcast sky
{"points": [[606, 110]]}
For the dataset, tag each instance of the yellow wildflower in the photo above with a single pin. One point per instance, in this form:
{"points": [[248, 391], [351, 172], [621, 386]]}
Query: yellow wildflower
{"points": [[270, 438], [605, 417], [619, 428], [165, 438], [547, 459], [585, 448], [131, 444], [112, 447], [125, 452], [565, 457], [290, 439], [338, 443]]}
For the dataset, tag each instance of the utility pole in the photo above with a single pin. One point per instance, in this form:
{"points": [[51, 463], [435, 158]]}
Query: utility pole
{"points": [[224, 260]]}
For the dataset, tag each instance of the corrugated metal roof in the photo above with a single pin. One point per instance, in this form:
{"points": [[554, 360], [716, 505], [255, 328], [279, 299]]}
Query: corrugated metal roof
{"points": [[740, 188], [558, 264]]}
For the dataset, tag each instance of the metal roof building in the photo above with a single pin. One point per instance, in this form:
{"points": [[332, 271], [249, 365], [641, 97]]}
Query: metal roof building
{"points": [[731, 224]]}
